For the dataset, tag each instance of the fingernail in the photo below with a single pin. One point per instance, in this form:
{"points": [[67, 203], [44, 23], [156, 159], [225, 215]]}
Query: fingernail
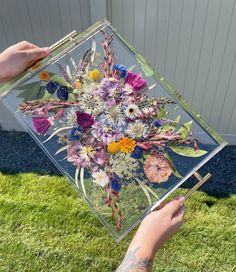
{"points": [[181, 199], [46, 49]]}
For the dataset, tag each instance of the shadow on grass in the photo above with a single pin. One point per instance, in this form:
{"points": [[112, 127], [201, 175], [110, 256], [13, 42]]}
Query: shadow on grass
{"points": [[20, 154]]}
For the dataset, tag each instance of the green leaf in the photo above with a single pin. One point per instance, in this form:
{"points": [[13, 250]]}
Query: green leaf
{"points": [[148, 71], [161, 113], [145, 191], [27, 86], [41, 92], [185, 129], [46, 96], [175, 172], [168, 128], [177, 119], [188, 151], [61, 81], [71, 97], [171, 127], [30, 91], [23, 94]]}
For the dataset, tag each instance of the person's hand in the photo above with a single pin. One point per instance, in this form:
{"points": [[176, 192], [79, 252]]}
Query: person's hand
{"points": [[17, 58], [156, 228], [160, 225]]}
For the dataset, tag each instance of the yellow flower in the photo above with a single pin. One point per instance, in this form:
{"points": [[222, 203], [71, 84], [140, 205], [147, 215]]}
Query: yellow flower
{"points": [[95, 74], [113, 148], [44, 75], [77, 84], [127, 145]]}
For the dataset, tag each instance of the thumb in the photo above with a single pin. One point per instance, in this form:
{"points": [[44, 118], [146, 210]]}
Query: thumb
{"points": [[36, 53], [173, 206]]}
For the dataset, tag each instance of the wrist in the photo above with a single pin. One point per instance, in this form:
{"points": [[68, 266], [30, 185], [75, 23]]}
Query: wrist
{"points": [[146, 244]]}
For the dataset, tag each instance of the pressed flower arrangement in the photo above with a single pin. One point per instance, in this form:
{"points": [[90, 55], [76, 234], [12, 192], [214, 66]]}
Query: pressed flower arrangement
{"points": [[108, 125], [117, 129]]}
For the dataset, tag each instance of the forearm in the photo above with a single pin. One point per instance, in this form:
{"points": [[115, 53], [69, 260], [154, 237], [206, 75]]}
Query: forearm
{"points": [[140, 254], [136, 260], [154, 231]]}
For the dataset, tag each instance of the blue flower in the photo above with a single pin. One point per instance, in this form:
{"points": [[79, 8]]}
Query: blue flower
{"points": [[137, 153], [74, 134], [115, 183], [63, 93], [52, 87], [121, 68], [157, 123]]}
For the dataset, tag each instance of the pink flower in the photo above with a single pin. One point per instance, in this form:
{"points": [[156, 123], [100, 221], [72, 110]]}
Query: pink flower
{"points": [[105, 134], [88, 153], [42, 124], [157, 168], [135, 81], [84, 120]]}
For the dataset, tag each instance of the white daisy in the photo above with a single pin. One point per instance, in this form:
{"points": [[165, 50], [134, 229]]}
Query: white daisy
{"points": [[137, 129], [132, 111], [100, 178]]}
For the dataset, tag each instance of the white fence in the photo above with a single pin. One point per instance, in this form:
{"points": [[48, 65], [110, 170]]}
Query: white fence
{"points": [[191, 42]]}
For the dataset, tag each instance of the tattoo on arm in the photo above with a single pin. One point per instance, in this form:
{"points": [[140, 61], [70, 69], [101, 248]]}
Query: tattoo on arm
{"points": [[131, 263]]}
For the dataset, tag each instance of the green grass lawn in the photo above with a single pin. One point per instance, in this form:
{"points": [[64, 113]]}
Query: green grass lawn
{"points": [[44, 226]]}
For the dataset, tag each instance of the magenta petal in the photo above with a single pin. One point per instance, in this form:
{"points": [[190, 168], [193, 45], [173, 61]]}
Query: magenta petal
{"points": [[135, 81], [41, 124], [84, 120]]}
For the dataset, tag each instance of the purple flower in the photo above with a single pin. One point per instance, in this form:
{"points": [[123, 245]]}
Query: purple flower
{"points": [[105, 134], [106, 88], [137, 153], [88, 153], [115, 183], [63, 93], [157, 123], [85, 120], [135, 81], [52, 86], [42, 124], [74, 134], [110, 103], [121, 70]]}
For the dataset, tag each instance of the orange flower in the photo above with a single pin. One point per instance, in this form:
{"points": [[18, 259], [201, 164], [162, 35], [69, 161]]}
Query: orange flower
{"points": [[77, 84], [113, 148], [127, 145], [157, 168], [44, 75]]}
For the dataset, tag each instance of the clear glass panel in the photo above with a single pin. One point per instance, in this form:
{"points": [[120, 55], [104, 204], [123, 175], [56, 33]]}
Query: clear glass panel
{"points": [[126, 141]]}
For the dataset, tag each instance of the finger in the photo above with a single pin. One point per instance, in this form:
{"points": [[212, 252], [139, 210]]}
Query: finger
{"points": [[36, 53], [24, 45], [173, 206], [179, 216], [162, 205]]}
